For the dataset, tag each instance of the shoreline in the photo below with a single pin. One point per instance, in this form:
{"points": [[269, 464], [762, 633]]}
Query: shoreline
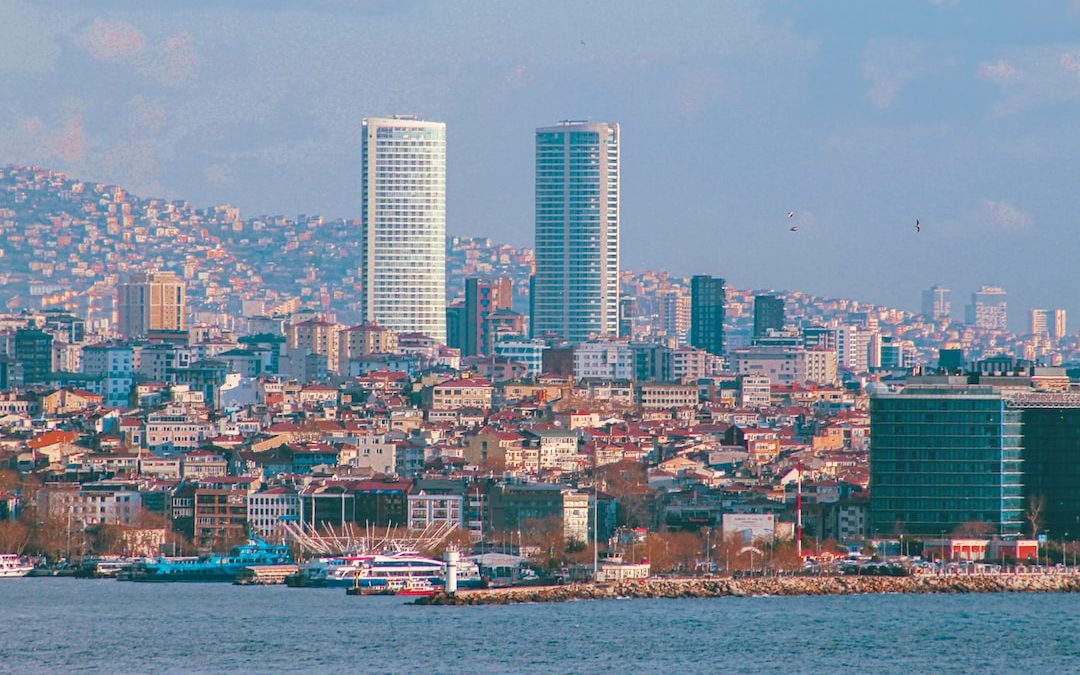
{"points": [[1068, 582]]}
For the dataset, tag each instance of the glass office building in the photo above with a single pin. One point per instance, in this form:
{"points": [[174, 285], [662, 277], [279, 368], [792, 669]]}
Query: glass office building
{"points": [[576, 285], [1052, 461], [942, 455]]}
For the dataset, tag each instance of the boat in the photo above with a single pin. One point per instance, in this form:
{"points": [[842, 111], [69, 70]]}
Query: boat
{"points": [[380, 571], [108, 567], [12, 566], [372, 570], [256, 553], [417, 587]]}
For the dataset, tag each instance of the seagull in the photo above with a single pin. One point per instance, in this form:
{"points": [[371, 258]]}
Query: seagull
{"points": [[793, 228], [582, 43], [918, 226], [790, 214]]}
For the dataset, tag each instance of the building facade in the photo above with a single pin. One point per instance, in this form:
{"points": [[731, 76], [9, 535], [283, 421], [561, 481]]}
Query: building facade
{"points": [[768, 314], [943, 455], [707, 299], [403, 225], [576, 286], [988, 308], [151, 302]]}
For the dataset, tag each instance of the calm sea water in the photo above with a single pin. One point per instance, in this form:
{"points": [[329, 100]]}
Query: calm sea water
{"points": [[65, 625]]}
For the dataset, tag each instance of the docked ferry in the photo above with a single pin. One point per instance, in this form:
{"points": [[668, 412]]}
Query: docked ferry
{"points": [[256, 553], [379, 570], [12, 566]]}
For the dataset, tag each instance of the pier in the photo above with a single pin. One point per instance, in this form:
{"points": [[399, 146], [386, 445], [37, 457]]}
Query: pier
{"points": [[1065, 582]]}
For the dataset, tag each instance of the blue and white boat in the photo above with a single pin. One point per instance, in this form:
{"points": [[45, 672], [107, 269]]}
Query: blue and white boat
{"points": [[381, 570], [256, 553]]}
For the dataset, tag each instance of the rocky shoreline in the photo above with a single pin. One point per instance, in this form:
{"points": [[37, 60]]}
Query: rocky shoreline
{"points": [[761, 586]]}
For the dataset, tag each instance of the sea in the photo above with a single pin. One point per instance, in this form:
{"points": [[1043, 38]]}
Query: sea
{"points": [[53, 625]]}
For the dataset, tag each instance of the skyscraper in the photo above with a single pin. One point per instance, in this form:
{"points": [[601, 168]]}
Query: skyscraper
{"points": [[935, 303], [151, 302], [576, 286], [987, 308], [403, 225], [707, 299], [768, 314], [1050, 322]]}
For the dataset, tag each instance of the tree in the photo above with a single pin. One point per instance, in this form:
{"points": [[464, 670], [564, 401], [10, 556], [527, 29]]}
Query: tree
{"points": [[673, 551], [627, 482], [9, 480], [1036, 505], [108, 539], [975, 529], [14, 536], [546, 534]]}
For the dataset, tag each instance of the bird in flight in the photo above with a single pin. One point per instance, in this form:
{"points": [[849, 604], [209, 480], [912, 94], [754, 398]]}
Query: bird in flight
{"points": [[582, 43], [918, 226], [793, 228], [790, 214]]}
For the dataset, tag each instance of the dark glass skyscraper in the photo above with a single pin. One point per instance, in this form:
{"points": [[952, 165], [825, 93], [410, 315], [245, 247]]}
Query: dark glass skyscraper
{"points": [[707, 299], [768, 314], [33, 349]]}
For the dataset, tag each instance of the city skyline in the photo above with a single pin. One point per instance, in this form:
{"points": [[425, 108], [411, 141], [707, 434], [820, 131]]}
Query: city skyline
{"points": [[751, 112]]}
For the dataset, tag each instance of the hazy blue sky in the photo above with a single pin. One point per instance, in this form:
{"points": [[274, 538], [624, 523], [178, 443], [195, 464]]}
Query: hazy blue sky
{"points": [[859, 116]]}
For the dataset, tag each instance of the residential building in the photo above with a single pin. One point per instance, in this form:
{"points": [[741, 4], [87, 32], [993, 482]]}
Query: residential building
{"points": [[517, 507], [315, 337], [436, 503], [675, 310], [665, 395], [575, 292], [463, 393], [611, 359], [483, 297], [155, 301], [270, 510], [403, 225], [529, 353]]}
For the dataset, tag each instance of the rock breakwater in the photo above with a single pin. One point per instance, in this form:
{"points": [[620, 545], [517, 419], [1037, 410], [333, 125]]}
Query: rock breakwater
{"points": [[728, 587]]}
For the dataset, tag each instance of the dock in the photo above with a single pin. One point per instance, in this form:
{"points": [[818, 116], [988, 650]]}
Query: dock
{"points": [[265, 575]]}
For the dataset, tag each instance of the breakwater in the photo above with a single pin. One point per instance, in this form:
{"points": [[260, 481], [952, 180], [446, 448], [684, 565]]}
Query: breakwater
{"points": [[758, 586]]}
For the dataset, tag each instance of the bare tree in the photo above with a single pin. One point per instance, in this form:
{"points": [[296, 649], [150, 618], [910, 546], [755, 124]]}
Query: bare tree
{"points": [[974, 529], [14, 536], [1036, 505]]}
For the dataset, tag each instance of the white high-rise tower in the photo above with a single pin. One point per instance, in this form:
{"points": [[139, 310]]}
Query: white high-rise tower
{"points": [[403, 226], [576, 288]]}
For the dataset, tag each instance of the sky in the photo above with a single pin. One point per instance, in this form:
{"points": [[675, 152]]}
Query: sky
{"points": [[860, 117]]}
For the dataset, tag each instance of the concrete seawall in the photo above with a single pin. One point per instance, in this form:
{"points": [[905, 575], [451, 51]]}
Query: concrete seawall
{"points": [[725, 587]]}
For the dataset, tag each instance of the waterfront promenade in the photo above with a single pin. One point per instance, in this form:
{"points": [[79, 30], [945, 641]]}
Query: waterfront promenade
{"points": [[1045, 582]]}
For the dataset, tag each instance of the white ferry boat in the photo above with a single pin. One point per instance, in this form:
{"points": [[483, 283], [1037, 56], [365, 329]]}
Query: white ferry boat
{"points": [[12, 565], [381, 570]]}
